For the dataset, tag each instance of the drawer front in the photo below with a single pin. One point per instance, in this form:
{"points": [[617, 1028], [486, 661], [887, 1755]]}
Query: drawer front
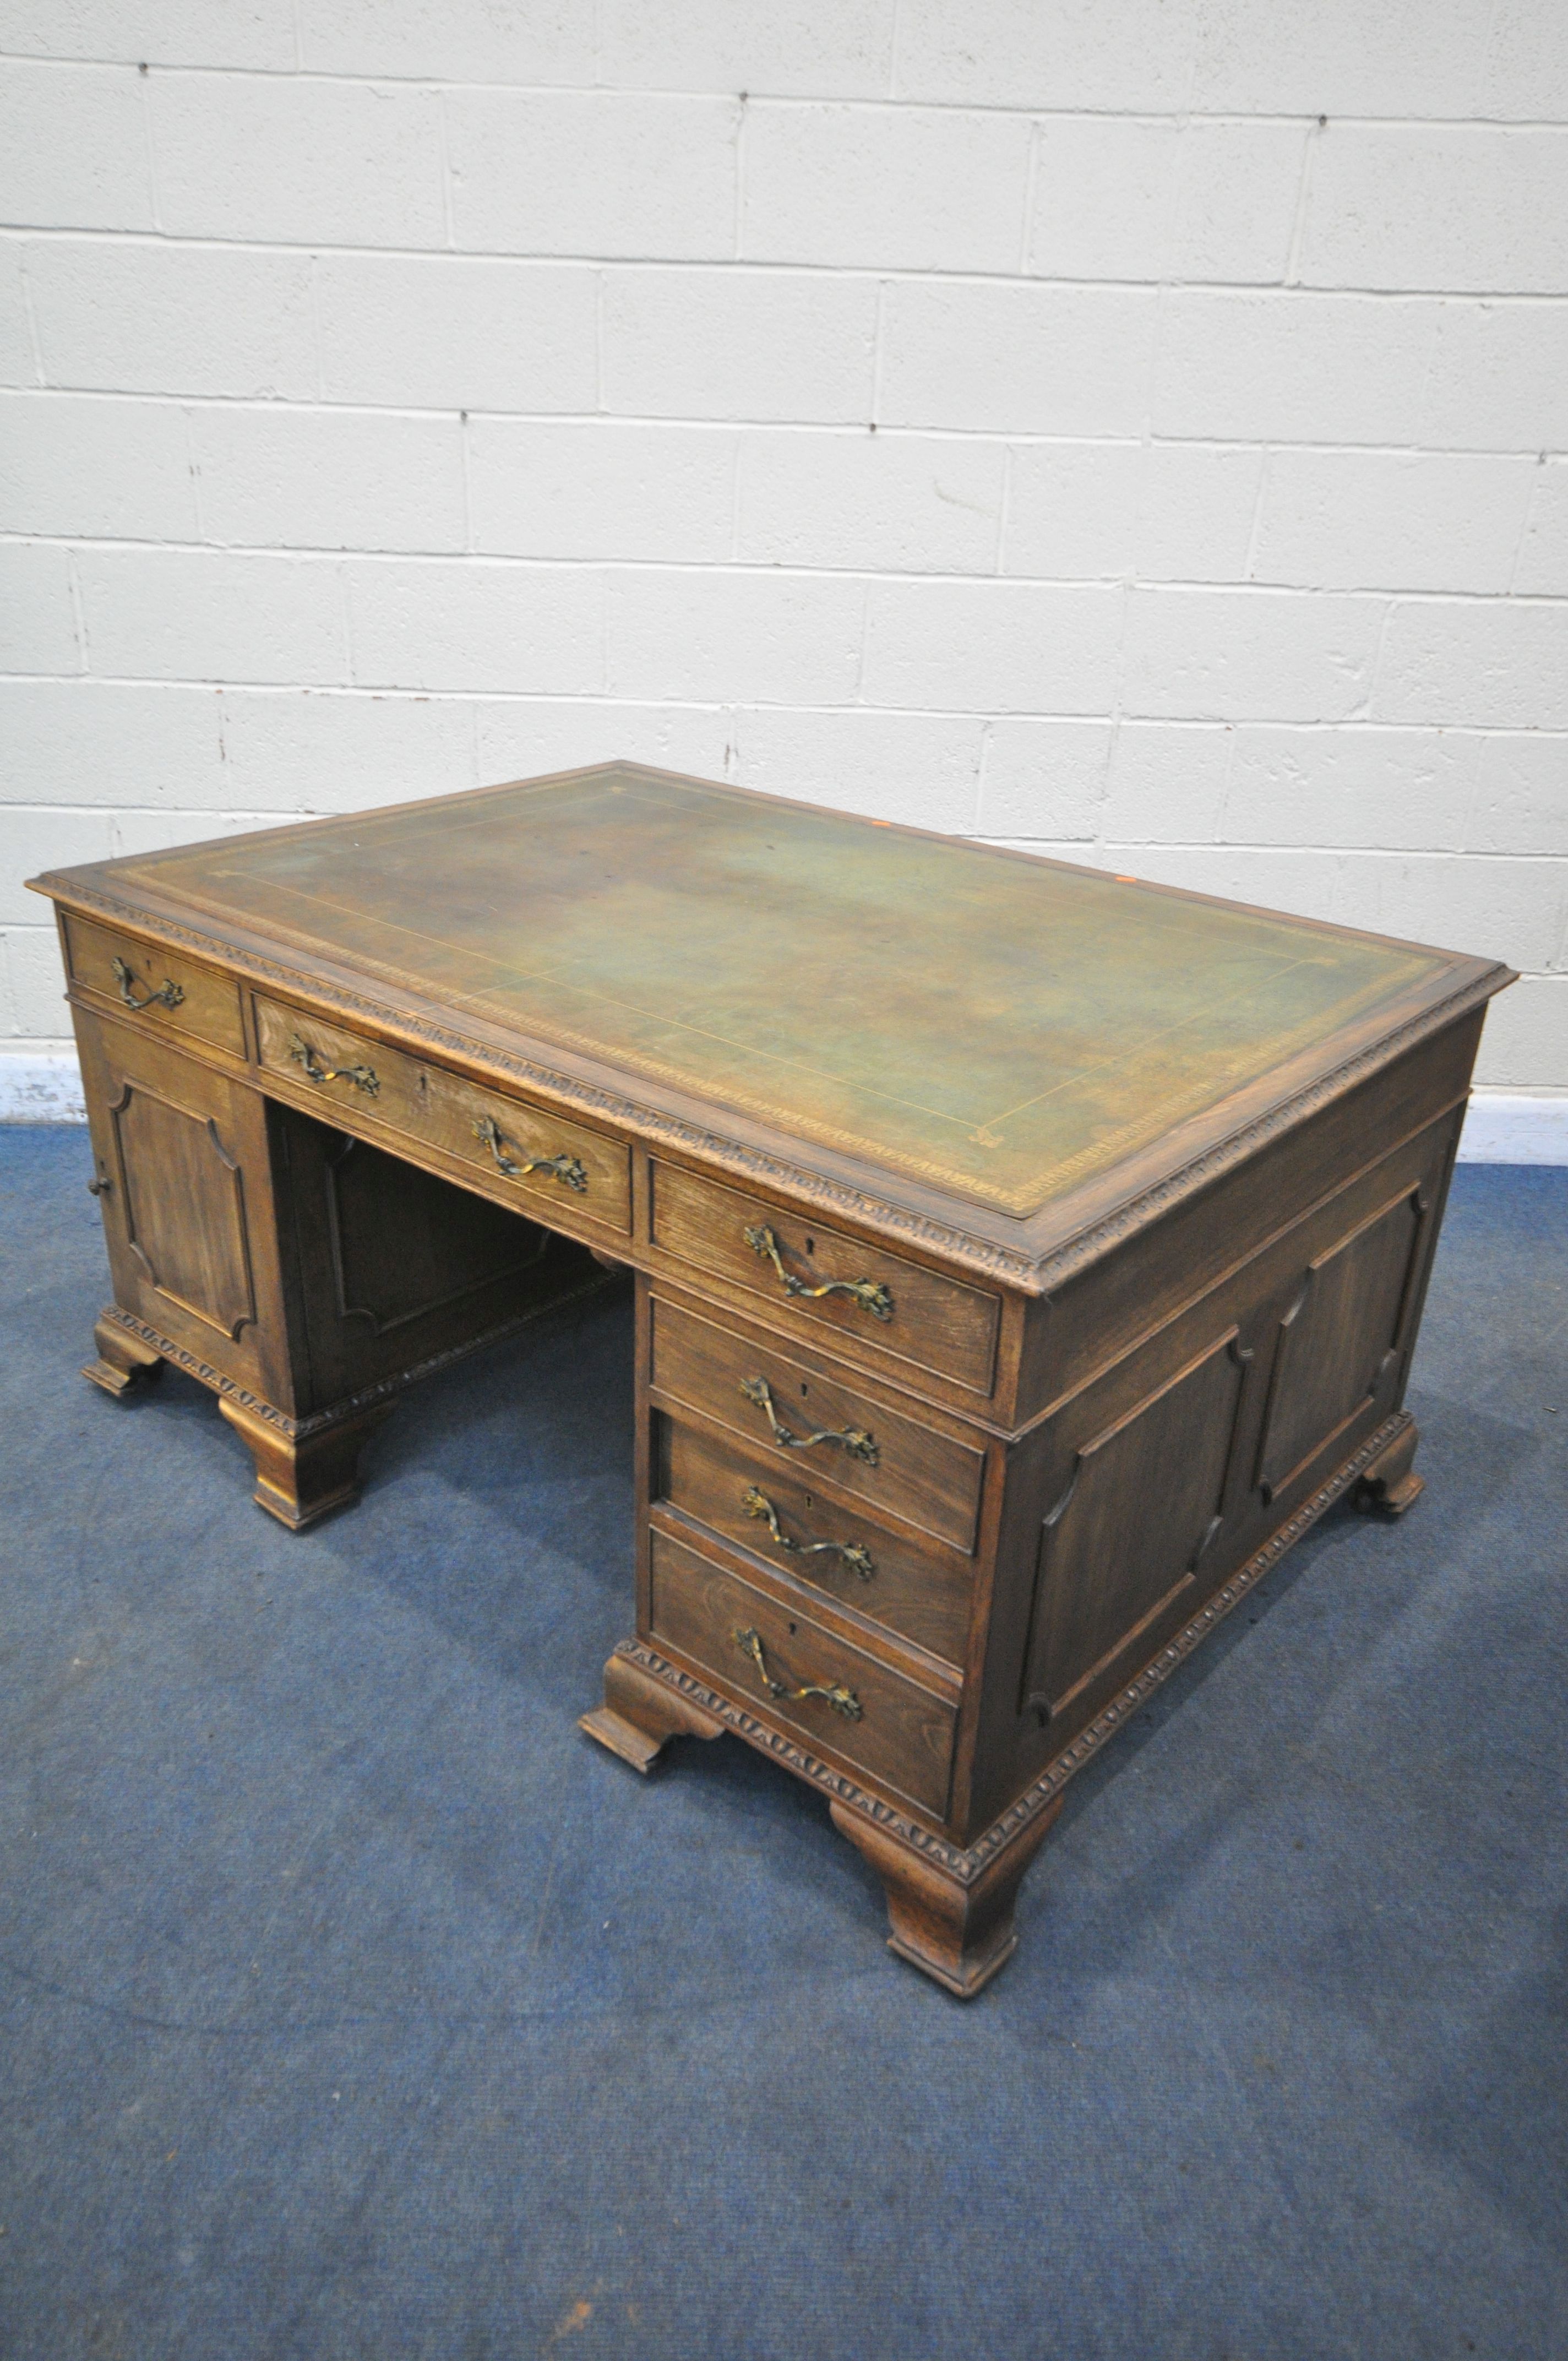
{"points": [[898, 1734], [804, 1425], [179, 996], [346, 1073], [824, 1279], [777, 1514], [553, 1164]]}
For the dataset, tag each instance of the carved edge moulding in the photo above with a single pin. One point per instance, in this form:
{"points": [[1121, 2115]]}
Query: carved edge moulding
{"points": [[300, 1430], [1035, 1275], [968, 1865]]}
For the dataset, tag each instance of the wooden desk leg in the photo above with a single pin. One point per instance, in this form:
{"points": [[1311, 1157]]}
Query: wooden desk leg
{"points": [[123, 1361], [1391, 1484], [640, 1716], [302, 1476], [959, 1935]]}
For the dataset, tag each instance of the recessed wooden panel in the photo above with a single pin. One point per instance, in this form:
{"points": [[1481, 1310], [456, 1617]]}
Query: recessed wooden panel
{"points": [[390, 1270], [1340, 1337], [398, 1266], [184, 1207], [1122, 1543]]}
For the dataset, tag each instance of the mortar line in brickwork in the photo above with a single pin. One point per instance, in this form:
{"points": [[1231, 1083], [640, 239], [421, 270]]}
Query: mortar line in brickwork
{"points": [[151, 146], [1375, 669], [309, 405], [78, 617], [879, 321], [793, 100], [1523, 541], [1256, 528], [34, 345], [591, 699], [345, 624], [318, 342], [464, 461], [444, 148], [334, 554], [982, 764], [735, 502], [1031, 183], [839, 273], [1292, 272], [1003, 513], [191, 463]]}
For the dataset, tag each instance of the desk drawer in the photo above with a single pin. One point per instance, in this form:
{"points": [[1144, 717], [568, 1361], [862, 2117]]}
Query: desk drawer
{"points": [[571, 1167], [177, 994], [790, 1261], [552, 1162], [896, 1733], [776, 1513], [928, 1479], [345, 1073]]}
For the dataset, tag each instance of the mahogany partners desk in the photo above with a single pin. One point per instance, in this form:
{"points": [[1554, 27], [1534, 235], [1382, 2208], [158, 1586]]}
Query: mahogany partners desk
{"points": [[1025, 1257]]}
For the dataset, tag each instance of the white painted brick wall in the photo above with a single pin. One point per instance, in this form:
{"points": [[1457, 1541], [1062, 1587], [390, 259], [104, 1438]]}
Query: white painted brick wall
{"points": [[1139, 433]]}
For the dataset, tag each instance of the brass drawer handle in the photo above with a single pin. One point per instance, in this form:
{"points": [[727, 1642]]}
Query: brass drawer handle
{"points": [[841, 1699], [855, 1556], [567, 1169], [169, 996], [854, 1439], [870, 1294], [362, 1077]]}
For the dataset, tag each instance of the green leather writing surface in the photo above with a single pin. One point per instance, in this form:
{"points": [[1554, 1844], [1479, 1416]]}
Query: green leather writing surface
{"points": [[1001, 1028]]}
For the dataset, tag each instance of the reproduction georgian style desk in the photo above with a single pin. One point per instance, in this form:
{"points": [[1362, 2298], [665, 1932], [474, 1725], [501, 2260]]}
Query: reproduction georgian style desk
{"points": [[1025, 1257]]}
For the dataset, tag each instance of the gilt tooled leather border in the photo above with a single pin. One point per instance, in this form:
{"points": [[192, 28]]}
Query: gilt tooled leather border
{"points": [[1036, 1275], [968, 1864]]}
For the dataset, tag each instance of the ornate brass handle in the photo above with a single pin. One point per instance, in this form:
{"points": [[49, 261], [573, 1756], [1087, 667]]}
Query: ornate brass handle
{"points": [[567, 1169], [854, 1439], [855, 1556], [841, 1699], [362, 1077], [169, 996], [870, 1294]]}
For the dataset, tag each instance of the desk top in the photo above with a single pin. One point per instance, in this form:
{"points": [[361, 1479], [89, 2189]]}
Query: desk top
{"points": [[1019, 1036]]}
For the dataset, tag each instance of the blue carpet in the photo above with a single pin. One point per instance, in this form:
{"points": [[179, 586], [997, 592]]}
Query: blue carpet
{"points": [[355, 2006]]}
